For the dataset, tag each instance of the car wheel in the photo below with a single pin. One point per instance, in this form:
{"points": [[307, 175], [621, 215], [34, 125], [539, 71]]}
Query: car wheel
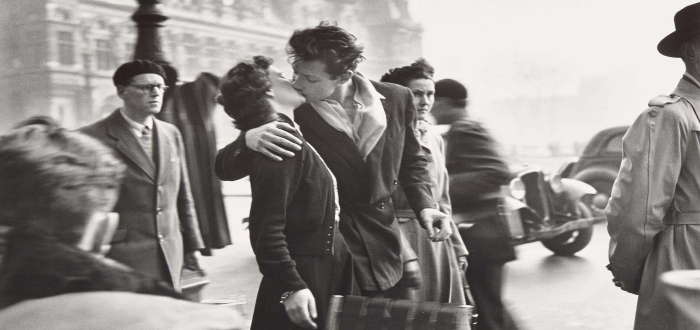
{"points": [[603, 189], [568, 243]]}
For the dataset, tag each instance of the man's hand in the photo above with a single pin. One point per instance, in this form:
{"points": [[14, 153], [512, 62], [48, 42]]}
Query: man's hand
{"points": [[630, 286], [301, 308], [462, 261], [273, 139], [434, 219]]}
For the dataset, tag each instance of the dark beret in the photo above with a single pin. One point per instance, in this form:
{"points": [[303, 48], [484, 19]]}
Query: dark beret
{"points": [[450, 88], [131, 69]]}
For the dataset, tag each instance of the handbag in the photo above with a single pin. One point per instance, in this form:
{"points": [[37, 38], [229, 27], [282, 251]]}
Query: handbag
{"points": [[355, 312]]}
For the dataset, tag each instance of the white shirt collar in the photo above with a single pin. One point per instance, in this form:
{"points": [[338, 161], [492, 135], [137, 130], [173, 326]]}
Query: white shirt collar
{"points": [[136, 127]]}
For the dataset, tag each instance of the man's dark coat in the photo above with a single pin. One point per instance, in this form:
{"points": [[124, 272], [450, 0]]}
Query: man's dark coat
{"points": [[190, 108]]}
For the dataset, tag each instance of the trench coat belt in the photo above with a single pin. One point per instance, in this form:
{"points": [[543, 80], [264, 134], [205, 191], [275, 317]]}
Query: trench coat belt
{"points": [[683, 219]]}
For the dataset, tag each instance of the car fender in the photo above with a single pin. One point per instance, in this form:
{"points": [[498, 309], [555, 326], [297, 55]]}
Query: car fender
{"points": [[567, 167], [576, 189], [597, 173]]}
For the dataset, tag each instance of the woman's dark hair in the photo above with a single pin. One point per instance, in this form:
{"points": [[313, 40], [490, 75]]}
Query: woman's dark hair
{"points": [[244, 93], [332, 45], [420, 69], [42, 168]]}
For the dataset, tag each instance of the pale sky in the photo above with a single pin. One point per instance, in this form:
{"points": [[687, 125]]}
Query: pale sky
{"points": [[512, 49]]}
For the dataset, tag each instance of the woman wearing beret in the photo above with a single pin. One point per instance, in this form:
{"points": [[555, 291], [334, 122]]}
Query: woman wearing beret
{"points": [[294, 210]]}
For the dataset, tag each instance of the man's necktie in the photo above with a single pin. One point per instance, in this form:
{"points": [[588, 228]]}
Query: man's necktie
{"points": [[147, 141]]}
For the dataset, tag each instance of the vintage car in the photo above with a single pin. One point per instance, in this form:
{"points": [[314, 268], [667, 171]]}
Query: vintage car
{"points": [[549, 209], [599, 163]]}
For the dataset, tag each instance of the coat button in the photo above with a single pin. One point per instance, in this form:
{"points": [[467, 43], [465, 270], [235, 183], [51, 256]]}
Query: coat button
{"points": [[396, 182], [381, 206]]}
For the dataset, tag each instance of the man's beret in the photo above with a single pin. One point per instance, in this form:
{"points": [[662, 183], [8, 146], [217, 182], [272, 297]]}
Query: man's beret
{"points": [[131, 69], [450, 88]]}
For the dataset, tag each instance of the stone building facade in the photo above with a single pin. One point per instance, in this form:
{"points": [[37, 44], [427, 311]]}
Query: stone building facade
{"points": [[58, 55]]}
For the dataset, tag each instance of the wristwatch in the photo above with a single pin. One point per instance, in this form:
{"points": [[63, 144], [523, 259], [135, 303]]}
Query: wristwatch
{"points": [[285, 296]]}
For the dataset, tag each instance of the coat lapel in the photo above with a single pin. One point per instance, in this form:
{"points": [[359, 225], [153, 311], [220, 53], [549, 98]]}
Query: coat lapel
{"points": [[163, 146], [374, 159], [339, 142], [129, 146]]}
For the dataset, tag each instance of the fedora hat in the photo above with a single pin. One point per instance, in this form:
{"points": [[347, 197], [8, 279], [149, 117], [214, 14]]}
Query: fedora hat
{"points": [[687, 22]]}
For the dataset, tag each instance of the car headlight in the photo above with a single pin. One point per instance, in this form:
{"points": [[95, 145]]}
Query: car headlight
{"points": [[555, 183], [517, 188]]}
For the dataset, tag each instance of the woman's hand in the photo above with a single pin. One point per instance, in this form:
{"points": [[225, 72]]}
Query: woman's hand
{"points": [[463, 264], [301, 308]]}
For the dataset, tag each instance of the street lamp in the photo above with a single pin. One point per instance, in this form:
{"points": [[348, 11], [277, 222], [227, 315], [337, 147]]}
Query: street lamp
{"points": [[149, 19]]}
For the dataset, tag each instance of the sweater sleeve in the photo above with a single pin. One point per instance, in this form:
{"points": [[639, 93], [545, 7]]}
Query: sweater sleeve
{"points": [[232, 161], [273, 185]]}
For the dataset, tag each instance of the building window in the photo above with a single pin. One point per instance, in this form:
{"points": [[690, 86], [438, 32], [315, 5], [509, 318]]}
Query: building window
{"points": [[104, 55], [192, 60], [66, 48], [129, 49], [212, 53]]}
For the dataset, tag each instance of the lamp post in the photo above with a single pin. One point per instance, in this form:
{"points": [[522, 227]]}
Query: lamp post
{"points": [[149, 19]]}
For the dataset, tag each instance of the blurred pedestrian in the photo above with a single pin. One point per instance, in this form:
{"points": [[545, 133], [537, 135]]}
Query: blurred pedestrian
{"points": [[477, 171], [653, 213], [56, 188], [294, 210], [158, 230], [441, 274], [364, 131]]}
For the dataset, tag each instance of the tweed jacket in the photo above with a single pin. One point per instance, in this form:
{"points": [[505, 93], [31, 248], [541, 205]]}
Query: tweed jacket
{"points": [[156, 212]]}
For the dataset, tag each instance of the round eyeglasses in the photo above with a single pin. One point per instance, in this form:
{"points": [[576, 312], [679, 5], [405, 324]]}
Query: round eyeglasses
{"points": [[147, 88]]}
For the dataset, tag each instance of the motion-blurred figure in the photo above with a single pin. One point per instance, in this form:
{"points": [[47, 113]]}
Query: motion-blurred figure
{"points": [[654, 210], [56, 188], [477, 171], [158, 229], [442, 276]]}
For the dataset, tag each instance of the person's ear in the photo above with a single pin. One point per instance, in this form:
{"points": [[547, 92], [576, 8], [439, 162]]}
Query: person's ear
{"points": [[688, 51], [345, 76], [121, 90]]}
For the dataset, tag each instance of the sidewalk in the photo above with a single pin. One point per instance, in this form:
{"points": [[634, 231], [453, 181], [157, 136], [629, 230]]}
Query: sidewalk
{"points": [[233, 269]]}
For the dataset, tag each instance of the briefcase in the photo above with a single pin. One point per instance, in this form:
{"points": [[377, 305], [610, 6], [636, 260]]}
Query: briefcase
{"points": [[355, 312]]}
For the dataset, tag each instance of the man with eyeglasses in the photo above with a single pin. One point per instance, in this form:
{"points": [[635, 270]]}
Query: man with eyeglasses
{"points": [[158, 231]]}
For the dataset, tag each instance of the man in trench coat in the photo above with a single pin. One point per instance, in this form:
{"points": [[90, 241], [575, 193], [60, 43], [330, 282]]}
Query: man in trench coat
{"points": [[654, 211], [157, 221]]}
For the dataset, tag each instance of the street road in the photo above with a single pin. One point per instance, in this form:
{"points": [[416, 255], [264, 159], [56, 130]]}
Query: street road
{"points": [[544, 292], [548, 292]]}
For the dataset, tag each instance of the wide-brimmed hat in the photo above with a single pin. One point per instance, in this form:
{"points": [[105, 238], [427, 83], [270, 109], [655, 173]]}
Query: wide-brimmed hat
{"points": [[687, 22]]}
